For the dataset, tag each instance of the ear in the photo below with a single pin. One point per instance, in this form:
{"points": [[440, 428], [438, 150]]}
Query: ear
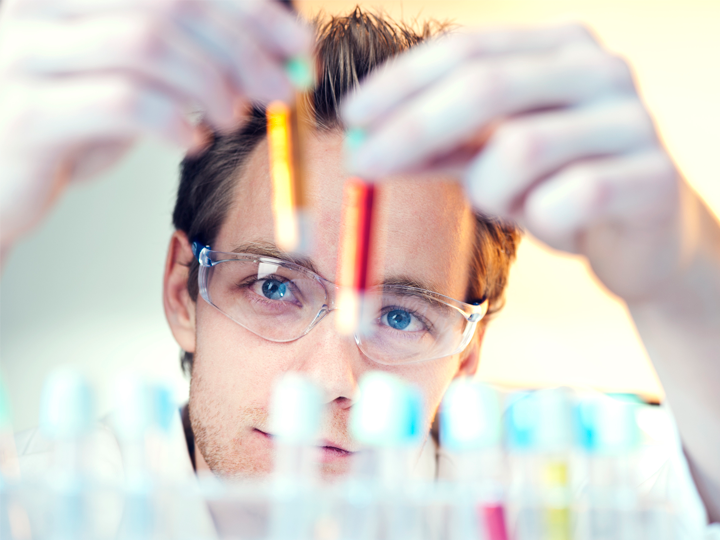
{"points": [[179, 307], [470, 357]]}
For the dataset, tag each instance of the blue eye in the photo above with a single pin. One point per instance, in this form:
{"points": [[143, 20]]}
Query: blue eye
{"points": [[274, 289], [398, 319]]}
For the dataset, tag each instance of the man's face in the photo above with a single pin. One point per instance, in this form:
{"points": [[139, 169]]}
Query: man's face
{"points": [[428, 230]]}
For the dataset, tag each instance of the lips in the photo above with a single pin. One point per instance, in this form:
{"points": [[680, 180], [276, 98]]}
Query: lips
{"points": [[329, 450]]}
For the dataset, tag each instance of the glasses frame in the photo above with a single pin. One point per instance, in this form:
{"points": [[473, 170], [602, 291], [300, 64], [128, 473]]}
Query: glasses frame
{"points": [[207, 258]]}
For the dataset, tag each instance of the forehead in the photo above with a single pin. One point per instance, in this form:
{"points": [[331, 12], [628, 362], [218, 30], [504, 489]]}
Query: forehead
{"points": [[426, 226]]}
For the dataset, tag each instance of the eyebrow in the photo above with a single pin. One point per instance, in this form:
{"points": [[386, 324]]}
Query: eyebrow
{"points": [[269, 249]]}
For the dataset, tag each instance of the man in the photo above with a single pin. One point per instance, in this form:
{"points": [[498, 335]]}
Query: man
{"points": [[546, 129]]}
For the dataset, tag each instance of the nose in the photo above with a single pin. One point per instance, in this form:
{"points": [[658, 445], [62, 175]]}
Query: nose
{"points": [[331, 360]]}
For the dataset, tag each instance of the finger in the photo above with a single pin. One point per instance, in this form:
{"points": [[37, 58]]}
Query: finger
{"points": [[468, 100], [131, 43], [267, 20], [72, 117], [80, 109], [422, 66], [254, 71], [281, 32], [524, 150], [636, 191]]}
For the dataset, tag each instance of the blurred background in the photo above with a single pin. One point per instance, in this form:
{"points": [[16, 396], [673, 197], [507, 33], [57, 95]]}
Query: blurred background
{"points": [[85, 288]]}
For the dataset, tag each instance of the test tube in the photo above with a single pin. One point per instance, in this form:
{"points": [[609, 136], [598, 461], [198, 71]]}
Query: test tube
{"points": [[358, 260], [387, 421], [14, 521], [66, 419], [470, 430], [540, 436], [142, 423], [295, 415], [608, 435], [288, 128]]}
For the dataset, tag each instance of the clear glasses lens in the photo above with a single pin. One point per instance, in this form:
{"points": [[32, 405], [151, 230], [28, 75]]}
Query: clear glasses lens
{"points": [[279, 302], [273, 301], [411, 327]]}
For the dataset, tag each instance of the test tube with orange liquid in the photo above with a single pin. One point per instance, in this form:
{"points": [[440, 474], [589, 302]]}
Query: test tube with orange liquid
{"points": [[288, 128]]}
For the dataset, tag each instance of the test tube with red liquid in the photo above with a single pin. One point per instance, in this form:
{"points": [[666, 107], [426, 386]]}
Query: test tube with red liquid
{"points": [[357, 263]]}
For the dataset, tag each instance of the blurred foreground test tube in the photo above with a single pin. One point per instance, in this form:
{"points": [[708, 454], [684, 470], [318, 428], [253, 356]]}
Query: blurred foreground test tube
{"points": [[470, 430], [387, 421], [295, 416], [14, 522], [539, 438], [66, 419], [608, 435], [142, 422]]}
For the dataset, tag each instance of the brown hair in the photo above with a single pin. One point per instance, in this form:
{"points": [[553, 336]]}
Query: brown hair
{"points": [[348, 48]]}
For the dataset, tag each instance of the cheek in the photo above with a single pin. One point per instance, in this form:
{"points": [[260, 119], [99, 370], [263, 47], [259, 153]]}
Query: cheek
{"points": [[239, 366]]}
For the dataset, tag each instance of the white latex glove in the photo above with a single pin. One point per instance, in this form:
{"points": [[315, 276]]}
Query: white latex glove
{"points": [[546, 128], [80, 80]]}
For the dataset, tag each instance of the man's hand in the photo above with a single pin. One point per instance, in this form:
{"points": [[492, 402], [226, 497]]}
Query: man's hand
{"points": [[546, 128], [80, 80]]}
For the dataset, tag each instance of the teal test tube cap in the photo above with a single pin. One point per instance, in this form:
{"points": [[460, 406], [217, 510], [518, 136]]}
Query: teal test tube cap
{"points": [[607, 425], [470, 416], [66, 405], [540, 421], [388, 412], [301, 73]]}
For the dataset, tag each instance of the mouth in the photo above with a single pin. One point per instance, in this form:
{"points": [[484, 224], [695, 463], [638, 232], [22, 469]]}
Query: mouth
{"points": [[328, 451]]}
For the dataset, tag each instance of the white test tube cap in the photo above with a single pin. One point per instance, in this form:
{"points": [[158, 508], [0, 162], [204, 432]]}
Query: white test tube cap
{"points": [[387, 413], [66, 405], [295, 410], [470, 416]]}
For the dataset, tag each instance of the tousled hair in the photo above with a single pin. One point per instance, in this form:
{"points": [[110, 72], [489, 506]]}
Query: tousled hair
{"points": [[347, 49]]}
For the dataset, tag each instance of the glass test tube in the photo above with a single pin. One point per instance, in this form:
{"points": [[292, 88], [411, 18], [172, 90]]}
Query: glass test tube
{"points": [[387, 421], [142, 422], [288, 128], [295, 415], [470, 430], [66, 419], [539, 436], [357, 262], [608, 435], [14, 522]]}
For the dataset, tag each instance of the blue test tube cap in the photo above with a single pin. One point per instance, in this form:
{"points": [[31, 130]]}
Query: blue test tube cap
{"points": [[141, 406], [540, 421], [470, 417], [165, 406], [607, 425], [296, 410], [388, 412], [66, 405]]}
